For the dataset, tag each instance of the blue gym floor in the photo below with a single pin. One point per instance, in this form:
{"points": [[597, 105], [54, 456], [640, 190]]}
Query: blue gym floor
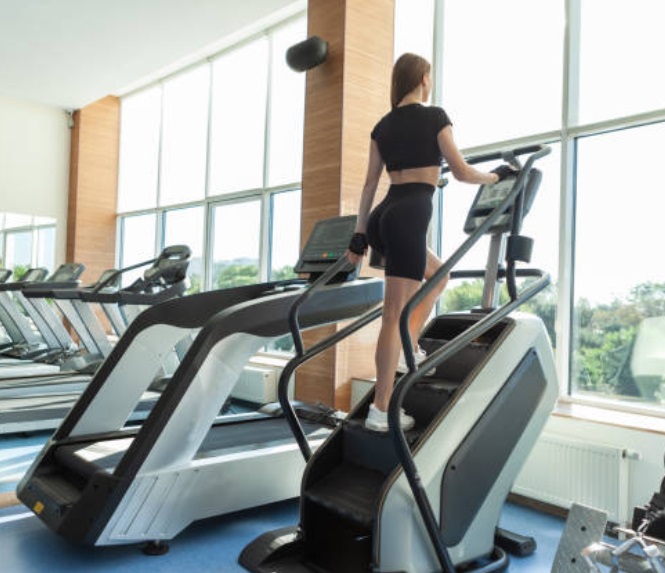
{"points": [[27, 546]]}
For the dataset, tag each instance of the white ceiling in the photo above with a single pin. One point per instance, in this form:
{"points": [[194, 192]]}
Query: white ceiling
{"points": [[69, 53]]}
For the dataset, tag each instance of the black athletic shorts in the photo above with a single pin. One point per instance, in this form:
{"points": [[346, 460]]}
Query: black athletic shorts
{"points": [[397, 229]]}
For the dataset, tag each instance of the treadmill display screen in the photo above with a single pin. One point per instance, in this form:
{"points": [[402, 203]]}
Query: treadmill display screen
{"points": [[33, 275], [326, 244], [66, 273]]}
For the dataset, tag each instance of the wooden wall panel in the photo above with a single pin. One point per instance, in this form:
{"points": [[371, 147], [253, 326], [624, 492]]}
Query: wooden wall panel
{"points": [[345, 97], [91, 221]]}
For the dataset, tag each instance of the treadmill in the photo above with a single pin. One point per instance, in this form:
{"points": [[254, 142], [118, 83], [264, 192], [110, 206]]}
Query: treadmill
{"points": [[430, 499], [47, 340], [36, 403], [6, 341], [99, 482]]}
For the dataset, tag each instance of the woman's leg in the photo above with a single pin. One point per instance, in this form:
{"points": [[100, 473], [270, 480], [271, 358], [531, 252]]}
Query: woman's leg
{"points": [[398, 291], [422, 311]]}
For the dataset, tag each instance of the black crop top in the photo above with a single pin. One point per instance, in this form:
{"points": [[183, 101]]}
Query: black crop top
{"points": [[407, 136]]}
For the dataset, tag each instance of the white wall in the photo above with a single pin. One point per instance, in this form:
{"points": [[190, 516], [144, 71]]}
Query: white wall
{"points": [[34, 163]]}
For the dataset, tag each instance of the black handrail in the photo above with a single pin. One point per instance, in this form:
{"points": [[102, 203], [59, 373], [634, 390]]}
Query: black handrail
{"points": [[303, 356], [325, 278], [298, 360], [440, 355]]}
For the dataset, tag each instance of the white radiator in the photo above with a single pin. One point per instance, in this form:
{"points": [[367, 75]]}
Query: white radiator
{"points": [[560, 471]]}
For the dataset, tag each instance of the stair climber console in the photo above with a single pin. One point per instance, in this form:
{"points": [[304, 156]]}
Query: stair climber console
{"points": [[430, 499]]}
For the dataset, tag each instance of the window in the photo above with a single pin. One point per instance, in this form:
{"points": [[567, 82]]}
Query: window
{"points": [[139, 150], [621, 47], [235, 251], [287, 110], [240, 88], [502, 81], [45, 244], [26, 241], [502, 78], [285, 235], [212, 157], [18, 250], [186, 227], [138, 244], [619, 288], [414, 27], [184, 137]]}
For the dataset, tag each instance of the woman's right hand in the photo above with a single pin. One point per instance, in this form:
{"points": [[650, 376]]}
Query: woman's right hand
{"points": [[354, 258]]}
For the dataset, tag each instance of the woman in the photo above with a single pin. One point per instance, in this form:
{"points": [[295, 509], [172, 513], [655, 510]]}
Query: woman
{"points": [[411, 141]]}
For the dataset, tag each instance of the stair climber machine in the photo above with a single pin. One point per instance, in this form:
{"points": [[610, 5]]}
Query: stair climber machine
{"points": [[430, 499], [35, 403], [99, 482], [57, 344]]}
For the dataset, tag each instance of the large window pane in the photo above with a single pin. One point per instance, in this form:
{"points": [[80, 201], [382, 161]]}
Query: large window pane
{"points": [[621, 48], [236, 236], [186, 227], [285, 234], [287, 109], [139, 150], [619, 289], [138, 243], [414, 28], [18, 251], [541, 224], [240, 81], [502, 68], [184, 137], [46, 247]]}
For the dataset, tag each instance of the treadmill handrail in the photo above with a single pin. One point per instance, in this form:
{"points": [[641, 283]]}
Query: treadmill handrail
{"points": [[113, 277], [440, 355]]}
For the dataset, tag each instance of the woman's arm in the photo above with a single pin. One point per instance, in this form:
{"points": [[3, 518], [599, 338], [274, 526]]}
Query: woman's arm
{"points": [[460, 169], [358, 247], [374, 170]]}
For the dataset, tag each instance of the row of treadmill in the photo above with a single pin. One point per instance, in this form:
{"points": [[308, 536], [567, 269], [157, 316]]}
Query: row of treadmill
{"points": [[54, 333], [420, 501]]}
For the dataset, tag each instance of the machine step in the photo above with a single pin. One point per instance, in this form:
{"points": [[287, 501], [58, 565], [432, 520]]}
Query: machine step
{"points": [[350, 490]]}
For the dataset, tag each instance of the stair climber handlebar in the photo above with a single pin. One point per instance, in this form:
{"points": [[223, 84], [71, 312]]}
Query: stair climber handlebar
{"points": [[453, 346], [303, 355]]}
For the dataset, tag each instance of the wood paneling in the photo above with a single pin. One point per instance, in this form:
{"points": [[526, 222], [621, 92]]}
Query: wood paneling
{"points": [[91, 220], [345, 98]]}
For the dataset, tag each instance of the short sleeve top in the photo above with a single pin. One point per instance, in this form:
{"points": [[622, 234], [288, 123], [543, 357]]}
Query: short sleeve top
{"points": [[407, 136]]}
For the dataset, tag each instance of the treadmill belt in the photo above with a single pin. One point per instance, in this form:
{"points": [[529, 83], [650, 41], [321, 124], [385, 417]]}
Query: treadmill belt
{"points": [[222, 438]]}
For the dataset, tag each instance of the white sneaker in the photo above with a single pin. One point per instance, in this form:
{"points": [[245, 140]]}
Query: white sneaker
{"points": [[419, 356], [377, 420]]}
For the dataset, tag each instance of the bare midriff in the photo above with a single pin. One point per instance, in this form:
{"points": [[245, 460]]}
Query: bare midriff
{"points": [[429, 175]]}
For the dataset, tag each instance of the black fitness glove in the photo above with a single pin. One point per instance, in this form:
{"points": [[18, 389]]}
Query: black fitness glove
{"points": [[504, 171], [358, 244]]}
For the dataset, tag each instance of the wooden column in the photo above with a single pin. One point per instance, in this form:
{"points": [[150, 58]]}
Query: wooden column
{"points": [[93, 184], [345, 97]]}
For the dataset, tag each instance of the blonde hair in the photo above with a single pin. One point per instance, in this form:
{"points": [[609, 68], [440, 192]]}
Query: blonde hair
{"points": [[408, 72]]}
